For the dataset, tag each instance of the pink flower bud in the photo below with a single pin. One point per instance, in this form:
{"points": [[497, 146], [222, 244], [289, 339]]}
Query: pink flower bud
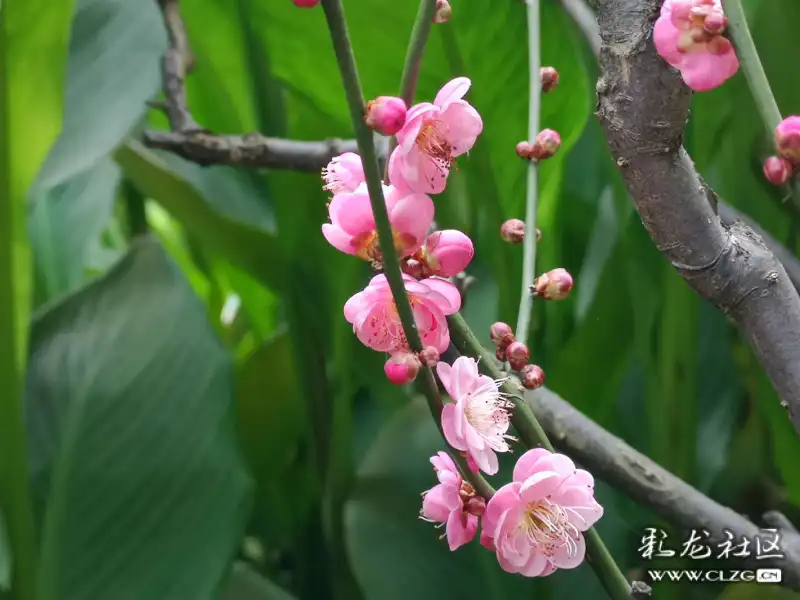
{"points": [[547, 144], [549, 78], [401, 368], [553, 285], [501, 335], [777, 170], [513, 231], [500, 354], [532, 376], [429, 357], [443, 12], [446, 253], [524, 150], [305, 3], [386, 114], [517, 355], [787, 138], [476, 505]]}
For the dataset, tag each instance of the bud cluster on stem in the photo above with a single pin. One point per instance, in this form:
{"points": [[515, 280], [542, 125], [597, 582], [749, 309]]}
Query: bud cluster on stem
{"points": [[780, 169]]}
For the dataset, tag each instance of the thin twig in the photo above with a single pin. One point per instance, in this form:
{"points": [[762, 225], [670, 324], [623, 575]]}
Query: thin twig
{"points": [[532, 192]]}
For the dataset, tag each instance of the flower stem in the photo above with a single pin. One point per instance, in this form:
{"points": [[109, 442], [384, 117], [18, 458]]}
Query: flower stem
{"points": [[529, 243], [413, 63], [337, 25], [532, 435]]}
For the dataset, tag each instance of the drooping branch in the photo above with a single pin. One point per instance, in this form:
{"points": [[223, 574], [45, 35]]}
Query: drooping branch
{"points": [[643, 106]]}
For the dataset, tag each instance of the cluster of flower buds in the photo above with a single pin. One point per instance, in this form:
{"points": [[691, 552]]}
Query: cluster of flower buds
{"points": [[516, 354], [545, 145], [553, 285], [780, 169]]}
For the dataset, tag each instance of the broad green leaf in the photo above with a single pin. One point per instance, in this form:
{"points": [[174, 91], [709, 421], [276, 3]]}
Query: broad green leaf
{"points": [[247, 245], [136, 469], [33, 54], [245, 584], [114, 69], [65, 224]]}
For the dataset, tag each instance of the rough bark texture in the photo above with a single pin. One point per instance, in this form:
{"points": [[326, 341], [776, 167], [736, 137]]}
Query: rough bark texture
{"points": [[615, 462], [643, 106]]}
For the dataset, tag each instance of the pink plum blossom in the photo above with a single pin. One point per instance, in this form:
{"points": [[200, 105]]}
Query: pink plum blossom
{"points": [[449, 503], [688, 36], [477, 420], [787, 138], [373, 313], [445, 253], [535, 524], [344, 173], [433, 136], [352, 227]]}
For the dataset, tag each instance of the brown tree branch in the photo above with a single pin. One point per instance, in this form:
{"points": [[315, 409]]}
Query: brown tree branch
{"points": [[643, 106]]}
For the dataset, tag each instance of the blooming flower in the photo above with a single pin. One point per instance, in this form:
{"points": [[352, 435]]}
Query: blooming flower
{"points": [[352, 227], [433, 136], [535, 524], [344, 173], [787, 138], [688, 36], [445, 253], [452, 502], [477, 420], [373, 313]]}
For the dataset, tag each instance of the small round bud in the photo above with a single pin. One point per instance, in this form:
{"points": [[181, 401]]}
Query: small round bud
{"points": [[305, 3], [553, 285], [411, 266], [787, 138], [532, 376], [476, 505], [547, 144], [386, 114], [777, 170], [513, 231], [443, 12], [525, 150], [429, 357], [500, 354], [517, 355], [501, 335], [549, 78], [401, 368]]}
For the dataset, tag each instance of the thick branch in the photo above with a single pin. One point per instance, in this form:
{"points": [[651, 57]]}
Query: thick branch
{"points": [[643, 106], [615, 462]]}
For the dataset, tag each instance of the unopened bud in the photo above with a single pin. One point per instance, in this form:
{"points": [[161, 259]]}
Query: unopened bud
{"points": [[305, 3], [401, 368], [787, 138], [777, 170], [517, 355], [500, 354], [553, 285], [429, 357], [476, 505], [547, 144], [532, 376], [443, 12], [513, 231], [525, 150], [549, 78], [386, 114], [501, 335]]}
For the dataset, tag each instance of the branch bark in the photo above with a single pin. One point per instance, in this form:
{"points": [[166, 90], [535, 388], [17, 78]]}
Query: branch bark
{"points": [[643, 106]]}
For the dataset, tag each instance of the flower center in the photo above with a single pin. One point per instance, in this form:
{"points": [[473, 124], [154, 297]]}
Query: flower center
{"points": [[547, 526], [431, 140], [369, 246], [702, 29], [487, 411]]}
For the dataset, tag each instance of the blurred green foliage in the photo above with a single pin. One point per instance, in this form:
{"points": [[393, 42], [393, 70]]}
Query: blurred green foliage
{"points": [[197, 393]]}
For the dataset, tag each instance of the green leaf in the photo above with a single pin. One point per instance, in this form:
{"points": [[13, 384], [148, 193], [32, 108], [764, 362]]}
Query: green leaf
{"points": [[114, 69], [65, 225], [245, 584], [246, 245], [33, 53], [135, 463]]}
